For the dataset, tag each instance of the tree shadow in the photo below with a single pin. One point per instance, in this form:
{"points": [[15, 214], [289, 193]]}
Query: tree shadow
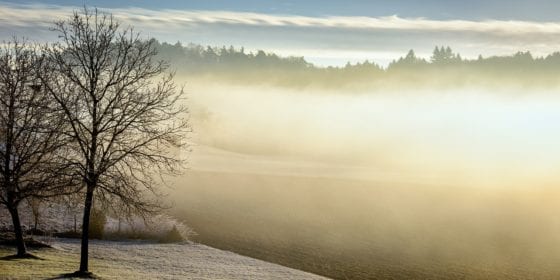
{"points": [[76, 275], [17, 257]]}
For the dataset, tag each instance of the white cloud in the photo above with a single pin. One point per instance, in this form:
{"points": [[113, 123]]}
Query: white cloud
{"points": [[44, 14]]}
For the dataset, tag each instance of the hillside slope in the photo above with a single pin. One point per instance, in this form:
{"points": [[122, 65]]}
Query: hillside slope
{"points": [[142, 260]]}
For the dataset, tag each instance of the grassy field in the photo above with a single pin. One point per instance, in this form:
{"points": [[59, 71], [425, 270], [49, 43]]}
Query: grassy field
{"points": [[144, 260], [53, 264]]}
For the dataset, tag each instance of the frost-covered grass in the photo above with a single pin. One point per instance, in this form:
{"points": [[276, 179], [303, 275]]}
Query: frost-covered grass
{"points": [[153, 228], [144, 260], [57, 218]]}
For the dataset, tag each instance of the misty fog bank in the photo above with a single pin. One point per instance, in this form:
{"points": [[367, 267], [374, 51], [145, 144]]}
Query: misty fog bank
{"points": [[372, 185], [465, 137]]}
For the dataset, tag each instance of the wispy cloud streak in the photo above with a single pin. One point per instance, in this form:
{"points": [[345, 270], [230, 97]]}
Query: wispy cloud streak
{"points": [[21, 15]]}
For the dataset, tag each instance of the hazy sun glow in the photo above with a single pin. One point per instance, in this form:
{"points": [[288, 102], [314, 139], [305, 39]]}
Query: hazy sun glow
{"points": [[464, 136]]}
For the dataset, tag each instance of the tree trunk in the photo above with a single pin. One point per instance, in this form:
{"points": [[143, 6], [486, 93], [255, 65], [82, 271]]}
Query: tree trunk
{"points": [[85, 231], [21, 250]]}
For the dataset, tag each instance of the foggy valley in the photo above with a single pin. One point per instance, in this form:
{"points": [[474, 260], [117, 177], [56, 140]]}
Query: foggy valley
{"points": [[267, 140], [458, 183]]}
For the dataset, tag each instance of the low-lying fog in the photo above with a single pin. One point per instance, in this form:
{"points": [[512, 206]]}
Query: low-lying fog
{"points": [[393, 181], [464, 137]]}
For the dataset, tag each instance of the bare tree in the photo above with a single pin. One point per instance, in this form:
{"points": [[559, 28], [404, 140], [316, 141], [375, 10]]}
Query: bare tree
{"points": [[30, 137], [122, 109], [35, 205]]}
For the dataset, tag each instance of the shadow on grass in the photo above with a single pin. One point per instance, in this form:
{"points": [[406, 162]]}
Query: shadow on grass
{"points": [[23, 257], [76, 275]]}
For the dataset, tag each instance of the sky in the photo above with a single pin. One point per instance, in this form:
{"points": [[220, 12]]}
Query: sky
{"points": [[436, 9], [325, 32]]}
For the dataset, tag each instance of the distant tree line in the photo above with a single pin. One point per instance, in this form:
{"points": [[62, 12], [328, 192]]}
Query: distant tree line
{"points": [[444, 68], [194, 58]]}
